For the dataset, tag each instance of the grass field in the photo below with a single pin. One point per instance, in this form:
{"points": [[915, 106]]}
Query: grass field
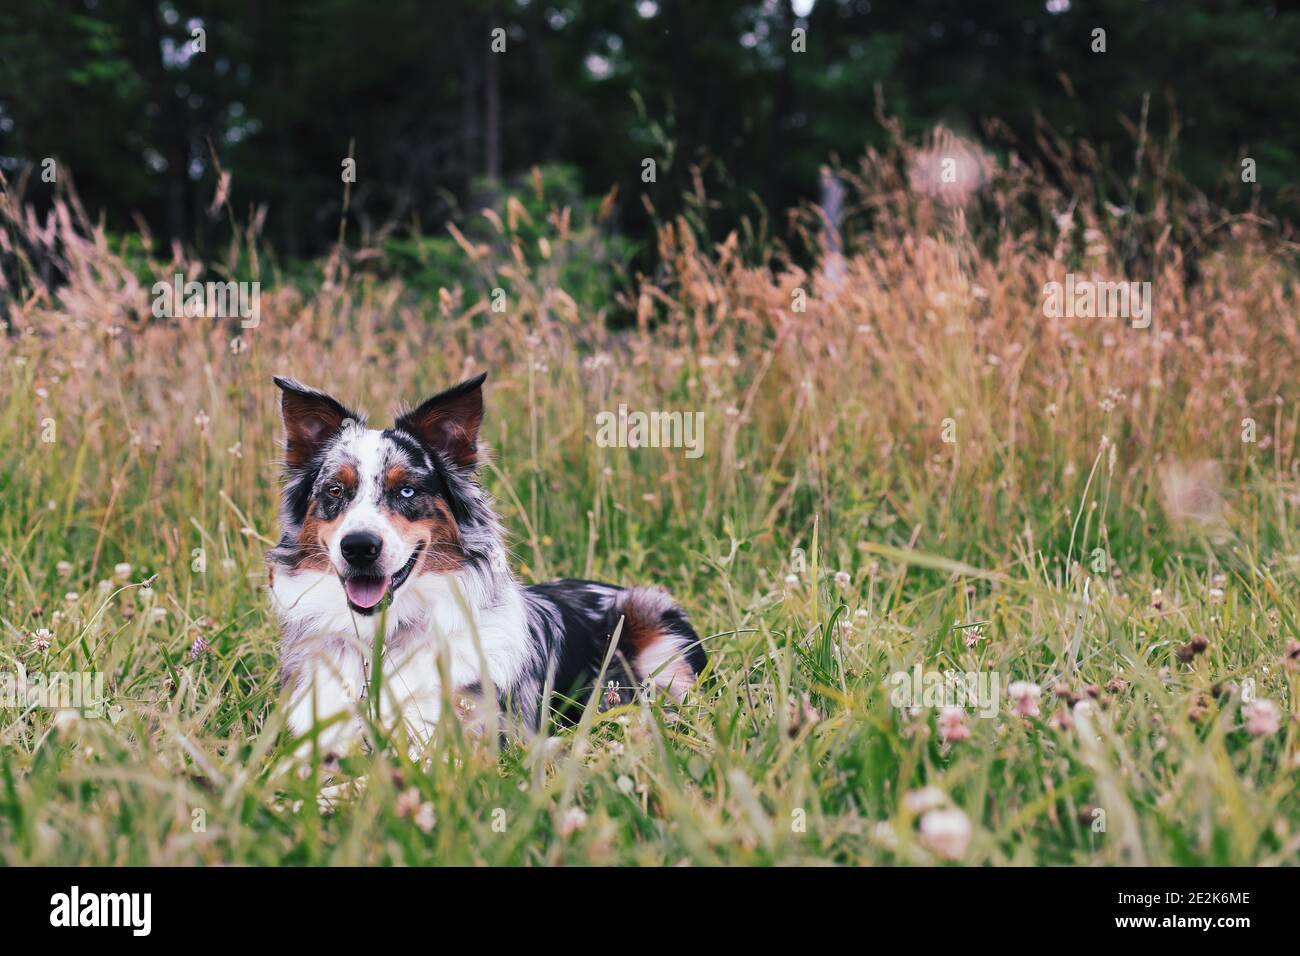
{"points": [[918, 468]]}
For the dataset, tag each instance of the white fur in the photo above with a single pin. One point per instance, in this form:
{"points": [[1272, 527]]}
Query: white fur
{"points": [[664, 664], [364, 514], [435, 624]]}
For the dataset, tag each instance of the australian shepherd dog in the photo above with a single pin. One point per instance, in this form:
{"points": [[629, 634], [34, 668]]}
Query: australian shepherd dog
{"points": [[392, 526]]}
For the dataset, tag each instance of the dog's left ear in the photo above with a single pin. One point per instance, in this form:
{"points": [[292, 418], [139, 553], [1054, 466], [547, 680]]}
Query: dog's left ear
{"points": [[449, 421]]}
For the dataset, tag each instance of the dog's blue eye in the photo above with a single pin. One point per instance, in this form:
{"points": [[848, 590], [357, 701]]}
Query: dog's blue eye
{"points": [[407, 491]]}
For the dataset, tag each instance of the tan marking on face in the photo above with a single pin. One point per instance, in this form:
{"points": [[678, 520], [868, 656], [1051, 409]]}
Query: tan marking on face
{"points": [[395, 477], [439, 535], [347, 477], [314, 540]]}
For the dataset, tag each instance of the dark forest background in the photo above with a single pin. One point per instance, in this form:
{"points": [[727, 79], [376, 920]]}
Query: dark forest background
{"points": [[114, 92]]}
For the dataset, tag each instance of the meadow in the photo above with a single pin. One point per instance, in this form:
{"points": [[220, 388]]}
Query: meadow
{"points": [[905, 464]]}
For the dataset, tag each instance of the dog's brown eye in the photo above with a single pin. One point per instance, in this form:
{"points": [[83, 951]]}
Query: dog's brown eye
{"points": [[334, 490]]}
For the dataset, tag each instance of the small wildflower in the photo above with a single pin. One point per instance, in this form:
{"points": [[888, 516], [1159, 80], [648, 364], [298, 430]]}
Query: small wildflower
{"points": [[159, 614], [41, 639], [202, 420], [1065, 692], [1061, 719], [843, 579], [572, 820], [611, 694], [1291, 660], [72, 597], [1262, 717], [122, 572], [952, 725], [625, 784], [1157, 599], [1225, 688], [1026, 695], [199, 647], [425, 818], [1197, 645], [236, 450], [946, 833], [791, 579], [407, 803], [64, 568], [1117, 685]]}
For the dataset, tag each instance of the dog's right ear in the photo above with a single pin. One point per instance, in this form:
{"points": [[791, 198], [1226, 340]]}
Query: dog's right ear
{"points": [[311, 419]]}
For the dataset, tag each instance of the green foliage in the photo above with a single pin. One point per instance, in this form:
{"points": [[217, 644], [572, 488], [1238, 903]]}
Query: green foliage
{"points": [[710, 90], [588, 262]]}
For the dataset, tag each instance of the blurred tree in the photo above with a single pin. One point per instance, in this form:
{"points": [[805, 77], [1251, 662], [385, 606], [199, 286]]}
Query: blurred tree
{"points": [[119, 94]]}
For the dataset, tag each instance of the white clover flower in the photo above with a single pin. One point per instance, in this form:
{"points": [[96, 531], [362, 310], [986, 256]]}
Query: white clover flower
{"points": [[572, 820], [1262, 717], [946, 833], [1026, 695]]}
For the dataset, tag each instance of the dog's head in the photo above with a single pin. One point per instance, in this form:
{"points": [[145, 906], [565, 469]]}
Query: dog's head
{"points": [[377, 507]]}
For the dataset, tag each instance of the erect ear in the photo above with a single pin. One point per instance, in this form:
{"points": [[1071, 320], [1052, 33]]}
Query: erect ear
{"points": [[449, 421], [311, 419]]}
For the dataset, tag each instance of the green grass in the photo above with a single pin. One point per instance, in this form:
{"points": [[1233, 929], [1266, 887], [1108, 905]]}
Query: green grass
{"points": [[828, 538], [789, 752]]}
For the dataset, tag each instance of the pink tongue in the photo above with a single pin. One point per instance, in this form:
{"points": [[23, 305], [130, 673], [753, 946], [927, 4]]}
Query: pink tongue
{"points": [[366, 592]]}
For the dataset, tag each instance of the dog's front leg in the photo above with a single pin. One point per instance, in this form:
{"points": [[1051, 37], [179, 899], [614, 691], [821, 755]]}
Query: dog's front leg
{"points": [[327, 689]]}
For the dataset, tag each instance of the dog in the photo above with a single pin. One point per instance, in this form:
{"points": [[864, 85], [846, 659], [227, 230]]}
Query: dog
{"points": [[392, 526]]}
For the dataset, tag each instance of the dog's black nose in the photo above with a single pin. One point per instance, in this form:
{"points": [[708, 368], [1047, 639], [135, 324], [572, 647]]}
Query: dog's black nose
{"points": [[361, 547]]}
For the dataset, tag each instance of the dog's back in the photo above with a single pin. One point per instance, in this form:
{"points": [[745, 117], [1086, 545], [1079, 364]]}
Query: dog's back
{"points": [[656, 640]]}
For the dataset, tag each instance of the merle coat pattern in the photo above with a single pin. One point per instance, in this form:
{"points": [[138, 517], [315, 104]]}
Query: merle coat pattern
{"points": [[391, 525]]}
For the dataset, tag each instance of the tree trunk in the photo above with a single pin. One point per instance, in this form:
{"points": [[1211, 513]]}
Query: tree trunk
{"points": [[493, 118]]}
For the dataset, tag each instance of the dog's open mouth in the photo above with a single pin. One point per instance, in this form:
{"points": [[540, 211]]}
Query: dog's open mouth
{"points": [[366, 592]]}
